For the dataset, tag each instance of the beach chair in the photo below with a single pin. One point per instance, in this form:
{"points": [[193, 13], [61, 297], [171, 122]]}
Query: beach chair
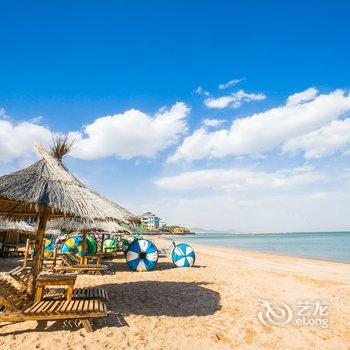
{"points": [[71, 263], [21, 276], [17, 306], [163, 252]]}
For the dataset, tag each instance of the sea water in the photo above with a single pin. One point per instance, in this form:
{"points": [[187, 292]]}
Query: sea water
{"points": [[322, 245]]}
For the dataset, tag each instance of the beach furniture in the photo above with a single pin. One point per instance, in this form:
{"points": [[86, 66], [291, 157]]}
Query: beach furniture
{"points": [[70, 263], [163, 252], [183, 255], [142, 255], [44, 281], [46, 190], [16, 306], [21, 275]]}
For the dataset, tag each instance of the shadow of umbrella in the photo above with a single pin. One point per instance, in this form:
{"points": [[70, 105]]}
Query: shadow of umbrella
{"points": [[154, 298]]}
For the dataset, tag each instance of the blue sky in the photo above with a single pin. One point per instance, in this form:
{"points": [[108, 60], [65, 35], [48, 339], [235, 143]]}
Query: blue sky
{"points": [[218, 114]]}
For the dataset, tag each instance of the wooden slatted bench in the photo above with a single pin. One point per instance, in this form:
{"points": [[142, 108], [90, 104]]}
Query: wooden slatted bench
{"points": [[15, 306], [70, 263], [21, 275]]}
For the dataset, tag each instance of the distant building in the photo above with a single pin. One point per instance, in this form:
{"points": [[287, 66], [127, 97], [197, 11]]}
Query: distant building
{"points": [[162, 224], [150, 221]]}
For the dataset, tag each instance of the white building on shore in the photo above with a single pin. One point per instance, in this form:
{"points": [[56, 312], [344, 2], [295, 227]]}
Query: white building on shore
{"points": [[150, 221]]}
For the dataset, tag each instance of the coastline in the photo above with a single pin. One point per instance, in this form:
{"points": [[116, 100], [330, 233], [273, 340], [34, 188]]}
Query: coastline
{"points": [[204, 245], [213, 305]]}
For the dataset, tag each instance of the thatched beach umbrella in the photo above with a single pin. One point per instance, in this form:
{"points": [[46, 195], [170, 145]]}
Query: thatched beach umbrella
{"points": [[77, 225], [47, 190], [19, 226]]}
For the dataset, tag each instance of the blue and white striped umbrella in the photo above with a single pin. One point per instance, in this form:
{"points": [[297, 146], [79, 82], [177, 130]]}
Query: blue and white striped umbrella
{"points": [[142, 255], [183, 255]]}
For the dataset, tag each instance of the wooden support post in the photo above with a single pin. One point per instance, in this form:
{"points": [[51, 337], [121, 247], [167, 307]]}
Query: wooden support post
{"points": [[54, 259], [83, 258], [101, 243], [26, 252], [38, 253], [86, 324]]}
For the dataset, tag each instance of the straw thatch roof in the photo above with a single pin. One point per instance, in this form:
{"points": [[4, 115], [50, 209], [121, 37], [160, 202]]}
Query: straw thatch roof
{"points": [[74, 225], [47, 184], [10, 225]]}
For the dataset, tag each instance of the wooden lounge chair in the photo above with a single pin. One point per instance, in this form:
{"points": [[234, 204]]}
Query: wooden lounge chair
{"points": [[16, 306], [21, 275], [71, 263]]}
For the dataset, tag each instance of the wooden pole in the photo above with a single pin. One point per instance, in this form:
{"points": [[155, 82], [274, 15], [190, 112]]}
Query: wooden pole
{"points": [[83, 258], [26, 252], [38, 253], [101, 243], [54, 259]]}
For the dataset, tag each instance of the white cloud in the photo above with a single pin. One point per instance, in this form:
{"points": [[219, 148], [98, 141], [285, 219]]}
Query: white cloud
{"points": [[132, 133], [322, 142], [300, 97], [230, 83], [241, 179], [16, 140], [213, 122], [234, 100], [201, 91], [265, 131]]}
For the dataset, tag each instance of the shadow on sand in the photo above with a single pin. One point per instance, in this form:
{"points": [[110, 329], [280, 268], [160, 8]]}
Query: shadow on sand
{"points": [[155, 298], [148, 298]]}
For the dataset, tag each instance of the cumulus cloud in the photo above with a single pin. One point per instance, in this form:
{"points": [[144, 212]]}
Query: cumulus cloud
{"points": [[241, 179], [265, 131], [16, 140], [300, 97], [322, 142], [213, 122], [230, 83], [132, 133], [234, 100]]}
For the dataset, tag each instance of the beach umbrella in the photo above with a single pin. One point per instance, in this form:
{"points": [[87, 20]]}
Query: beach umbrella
{"points": [[61, 238], [183, 255], [92, 245], [109, 245], [75, 245], [84, 226], [15, 225], [49, 246], [78, 225], [46, 190], [142, 255]]}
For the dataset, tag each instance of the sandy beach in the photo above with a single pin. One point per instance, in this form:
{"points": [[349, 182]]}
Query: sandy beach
{"points": [[213, 305]]}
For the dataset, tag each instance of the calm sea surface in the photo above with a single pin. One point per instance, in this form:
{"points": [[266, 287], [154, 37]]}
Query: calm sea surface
{"points": [[323, 245]]}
